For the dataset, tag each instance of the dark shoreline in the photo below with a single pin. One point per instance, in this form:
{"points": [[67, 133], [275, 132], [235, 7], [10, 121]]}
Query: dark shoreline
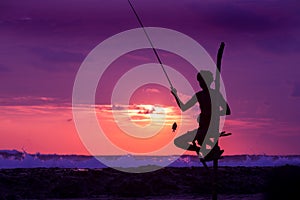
{"points": [[59, 183]]}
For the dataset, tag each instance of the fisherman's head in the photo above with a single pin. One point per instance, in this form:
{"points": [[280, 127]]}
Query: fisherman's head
{"points": [[205, 79]]}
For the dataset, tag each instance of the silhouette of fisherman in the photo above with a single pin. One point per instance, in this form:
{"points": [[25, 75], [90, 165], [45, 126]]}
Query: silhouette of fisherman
{"points": [[192, 140], [174, 127]]}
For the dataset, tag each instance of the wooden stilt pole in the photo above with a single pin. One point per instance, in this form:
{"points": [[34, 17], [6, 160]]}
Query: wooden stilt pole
{"points": [[215, 179], [217, 118]]}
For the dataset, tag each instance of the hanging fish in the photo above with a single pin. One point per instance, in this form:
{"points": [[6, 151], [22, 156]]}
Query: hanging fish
{"points": [[174, 127]]}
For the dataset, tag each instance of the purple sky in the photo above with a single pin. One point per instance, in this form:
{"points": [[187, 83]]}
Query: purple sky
{"points": [[44, 43]]}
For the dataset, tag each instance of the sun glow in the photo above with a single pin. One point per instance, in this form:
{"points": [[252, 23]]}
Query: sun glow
{"points": [[138, 128], [144, 115]]}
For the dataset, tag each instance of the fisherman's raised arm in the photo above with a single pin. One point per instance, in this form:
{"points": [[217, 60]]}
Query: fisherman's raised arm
{"points": [[184, 106], [225, 109]]}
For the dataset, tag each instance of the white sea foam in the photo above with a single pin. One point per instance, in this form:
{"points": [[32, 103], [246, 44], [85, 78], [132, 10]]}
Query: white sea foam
{"points": [[17, 159]]}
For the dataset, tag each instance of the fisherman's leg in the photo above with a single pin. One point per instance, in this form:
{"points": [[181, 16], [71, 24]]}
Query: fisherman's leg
{"points": [[199, 138], [215, 152], [184, 141]]}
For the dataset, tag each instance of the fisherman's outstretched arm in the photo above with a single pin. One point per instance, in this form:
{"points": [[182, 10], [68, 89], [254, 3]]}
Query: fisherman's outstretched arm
{"points": [[181, 105]]}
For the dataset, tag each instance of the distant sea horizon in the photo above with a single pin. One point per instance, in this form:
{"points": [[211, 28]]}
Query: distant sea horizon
{"points": [[12, 151]]}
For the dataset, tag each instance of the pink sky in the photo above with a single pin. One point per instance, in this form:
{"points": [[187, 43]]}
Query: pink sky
{"points": [[44, 44]]}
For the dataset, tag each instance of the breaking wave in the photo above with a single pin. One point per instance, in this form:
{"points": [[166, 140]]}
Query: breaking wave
{"points": [[17, 159]]}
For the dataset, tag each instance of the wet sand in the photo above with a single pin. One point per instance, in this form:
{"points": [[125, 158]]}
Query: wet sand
{"points": [[169, 183]]}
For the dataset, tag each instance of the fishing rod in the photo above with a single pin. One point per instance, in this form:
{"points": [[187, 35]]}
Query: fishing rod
{"points": [[154, 50]]}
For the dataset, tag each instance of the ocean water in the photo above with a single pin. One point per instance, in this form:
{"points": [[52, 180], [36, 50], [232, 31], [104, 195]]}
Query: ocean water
{"points": [[17, 159]]}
